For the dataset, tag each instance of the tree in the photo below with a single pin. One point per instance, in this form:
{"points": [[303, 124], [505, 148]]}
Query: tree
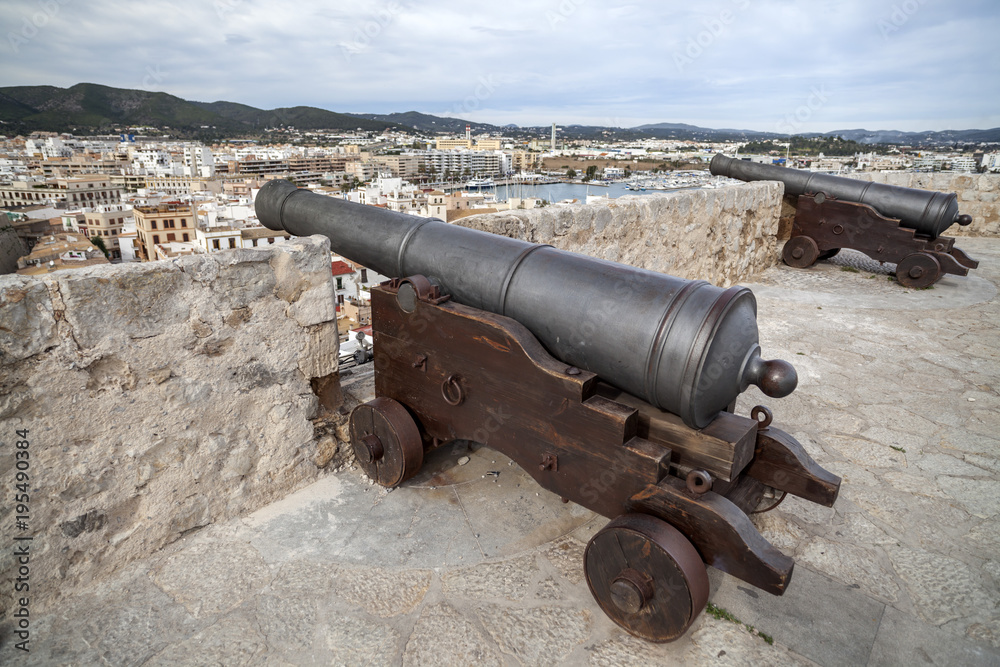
{"points": [[571, 173], [591, 172], [99, 242]]}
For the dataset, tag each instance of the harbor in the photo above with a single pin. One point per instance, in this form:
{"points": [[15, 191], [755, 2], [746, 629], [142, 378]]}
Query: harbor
{"points": [[555, 190]]}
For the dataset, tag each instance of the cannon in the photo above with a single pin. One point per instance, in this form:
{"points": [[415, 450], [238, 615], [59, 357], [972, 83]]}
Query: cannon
{"points": [[610, 385], [903, 226]]}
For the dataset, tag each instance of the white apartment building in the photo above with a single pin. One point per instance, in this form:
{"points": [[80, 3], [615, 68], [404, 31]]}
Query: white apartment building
{"points": [[481, 163], [965, 163], [991, 162], [154, 162], [198, 161], [108, 222], [50, 147], [212, 239], [928, 162]]}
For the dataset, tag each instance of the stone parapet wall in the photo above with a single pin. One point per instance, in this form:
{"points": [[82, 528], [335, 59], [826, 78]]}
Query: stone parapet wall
{"points": [[724, 235], [978, 195], [158, 398]]}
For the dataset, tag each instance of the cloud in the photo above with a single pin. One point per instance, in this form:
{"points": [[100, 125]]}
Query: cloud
{"points": [[900, 64]]}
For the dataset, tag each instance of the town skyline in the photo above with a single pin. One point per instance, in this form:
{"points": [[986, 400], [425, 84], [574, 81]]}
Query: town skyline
{"points": [[767, 65]]}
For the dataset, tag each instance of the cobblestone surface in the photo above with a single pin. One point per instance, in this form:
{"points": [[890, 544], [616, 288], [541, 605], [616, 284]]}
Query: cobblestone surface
{"points": [[899, 393]]}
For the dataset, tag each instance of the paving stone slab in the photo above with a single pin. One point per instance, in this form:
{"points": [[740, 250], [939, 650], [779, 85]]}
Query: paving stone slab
{"points": [[826, 621], [537, 636], [508, 579], [443, 636], [903, 641]]}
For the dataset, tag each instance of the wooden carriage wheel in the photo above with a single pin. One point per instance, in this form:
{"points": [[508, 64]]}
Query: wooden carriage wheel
{"points": [[386, 441], [918, 270], [646, 576], [800, 252]]}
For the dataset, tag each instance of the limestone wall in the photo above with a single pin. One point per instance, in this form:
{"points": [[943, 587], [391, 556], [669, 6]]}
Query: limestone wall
{"points": [[977, 195], [724, 235], [158, 398]]}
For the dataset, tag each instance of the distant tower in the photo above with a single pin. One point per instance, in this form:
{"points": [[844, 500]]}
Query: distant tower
{"points": [[553, 146], [468, 133]]}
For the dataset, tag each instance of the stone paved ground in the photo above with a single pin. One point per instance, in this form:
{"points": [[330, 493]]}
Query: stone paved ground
{"points": [[899, 392]]}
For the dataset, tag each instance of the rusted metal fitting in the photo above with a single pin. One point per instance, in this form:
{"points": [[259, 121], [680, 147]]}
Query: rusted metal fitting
{"points": [[699, 482], [549, 462], [631, 590], [374, 448], [761, 411], [451, 390]]}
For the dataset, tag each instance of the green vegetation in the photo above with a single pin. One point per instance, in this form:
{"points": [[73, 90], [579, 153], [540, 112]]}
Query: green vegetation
{"points": [[725, 615], [721, 614], [808, 146], [849, 269], [99, 242], [571, 173], [898, 449], [95, 107]]}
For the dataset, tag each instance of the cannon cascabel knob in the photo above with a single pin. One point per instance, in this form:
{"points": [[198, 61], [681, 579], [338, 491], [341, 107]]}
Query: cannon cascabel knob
{"points": [[775, 377]]}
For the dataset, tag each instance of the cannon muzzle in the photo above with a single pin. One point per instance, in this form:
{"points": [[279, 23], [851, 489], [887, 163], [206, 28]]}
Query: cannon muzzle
{"points": [[928, 213], [685, 346]]}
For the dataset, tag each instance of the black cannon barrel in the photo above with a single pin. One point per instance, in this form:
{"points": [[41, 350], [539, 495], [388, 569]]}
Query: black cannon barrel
{"points": [[929, 213], [685, 346]]}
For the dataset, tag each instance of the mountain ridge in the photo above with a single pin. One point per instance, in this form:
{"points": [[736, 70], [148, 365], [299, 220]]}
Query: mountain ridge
{"points": [[95, 106]]}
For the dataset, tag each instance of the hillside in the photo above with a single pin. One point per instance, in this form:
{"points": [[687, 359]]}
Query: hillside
{"points": [[92, 107], [302, 118], [427, 123]]}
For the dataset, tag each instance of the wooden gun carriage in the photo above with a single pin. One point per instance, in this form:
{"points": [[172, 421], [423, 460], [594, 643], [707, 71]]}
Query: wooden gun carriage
{"points": [[678, 485], [902, 226]]}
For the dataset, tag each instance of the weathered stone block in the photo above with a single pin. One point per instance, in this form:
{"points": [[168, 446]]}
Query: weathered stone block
{"points": [[724, 236], [130, 300], [27, 321], [160, 398]]}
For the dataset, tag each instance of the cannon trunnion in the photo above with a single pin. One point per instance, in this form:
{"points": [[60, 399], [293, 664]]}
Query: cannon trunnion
{"points": [[678, 497], [888, 223]]}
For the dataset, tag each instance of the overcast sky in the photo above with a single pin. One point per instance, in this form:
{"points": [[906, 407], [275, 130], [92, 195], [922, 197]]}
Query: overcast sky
{"points": [[775, 65]]}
